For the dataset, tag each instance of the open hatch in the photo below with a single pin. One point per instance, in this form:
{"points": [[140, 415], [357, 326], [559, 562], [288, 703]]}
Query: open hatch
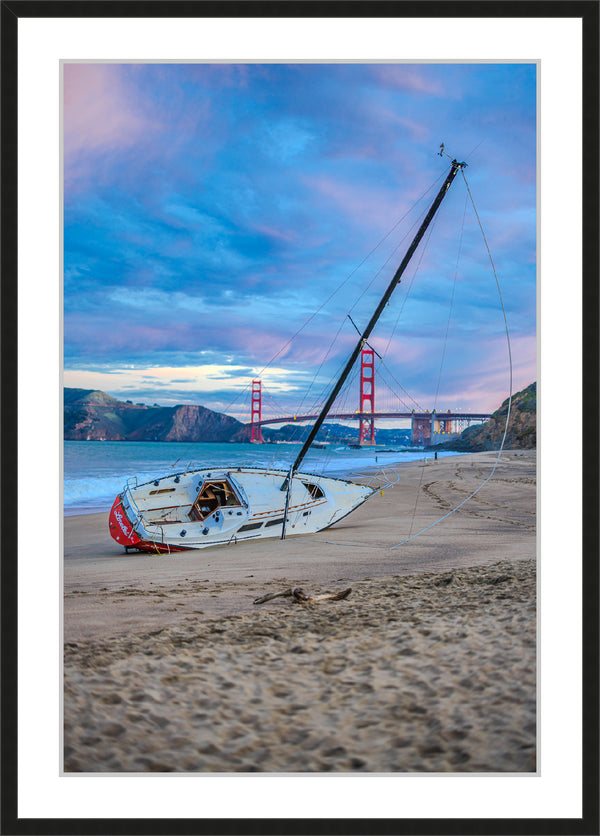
{"points": [[214, 494], [315, 491]]}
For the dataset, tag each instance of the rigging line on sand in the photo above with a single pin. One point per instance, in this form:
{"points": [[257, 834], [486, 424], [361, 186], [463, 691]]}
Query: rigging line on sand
{"points": [[380, 489], [439, 380], [510, 382]]}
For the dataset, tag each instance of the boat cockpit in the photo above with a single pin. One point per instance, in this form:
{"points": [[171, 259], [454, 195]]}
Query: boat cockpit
{"points": [[213, 494]]}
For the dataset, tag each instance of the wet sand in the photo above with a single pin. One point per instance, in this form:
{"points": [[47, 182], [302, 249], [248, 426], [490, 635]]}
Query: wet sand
{"points": [[427, 666]]}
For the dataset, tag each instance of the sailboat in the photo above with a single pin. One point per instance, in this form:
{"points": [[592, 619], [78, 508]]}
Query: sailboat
{"points": [[213, 506]]}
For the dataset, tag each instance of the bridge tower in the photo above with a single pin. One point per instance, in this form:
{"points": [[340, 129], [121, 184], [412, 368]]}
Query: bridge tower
{"points": [[367, 396], [255, 428], [422, 428]]}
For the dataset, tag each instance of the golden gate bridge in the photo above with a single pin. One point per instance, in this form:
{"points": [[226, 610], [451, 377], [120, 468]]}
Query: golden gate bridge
{"points": [[426, 427]]}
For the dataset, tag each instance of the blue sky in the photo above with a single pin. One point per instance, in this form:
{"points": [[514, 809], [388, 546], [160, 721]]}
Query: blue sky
{"points": [[212, 212]]}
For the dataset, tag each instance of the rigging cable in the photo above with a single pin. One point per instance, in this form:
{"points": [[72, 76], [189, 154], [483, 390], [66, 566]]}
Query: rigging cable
{"points": [[364, 291], [349, 276], [427, 528], [416, 223], [401, 311], [462, 229], [439, 380]]}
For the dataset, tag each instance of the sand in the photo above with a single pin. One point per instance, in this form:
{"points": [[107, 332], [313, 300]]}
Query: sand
{"points": [[428, 666]]}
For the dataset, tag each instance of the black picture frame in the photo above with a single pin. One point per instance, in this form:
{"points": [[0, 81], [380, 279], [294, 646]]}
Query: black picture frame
{"points": [[15, 10]]}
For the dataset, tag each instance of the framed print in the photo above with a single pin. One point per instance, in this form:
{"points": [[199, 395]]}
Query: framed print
{"points": [[297, 532]]}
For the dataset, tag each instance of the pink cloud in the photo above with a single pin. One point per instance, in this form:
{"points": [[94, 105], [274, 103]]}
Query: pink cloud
{"points": [[485, 386], [100, 111], [288, 235], [418, 132], [376, 207], [407, 77]]}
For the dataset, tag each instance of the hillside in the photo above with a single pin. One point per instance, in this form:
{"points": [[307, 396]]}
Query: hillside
{"points": [[92, 415], [334, 434], [521, 433]]}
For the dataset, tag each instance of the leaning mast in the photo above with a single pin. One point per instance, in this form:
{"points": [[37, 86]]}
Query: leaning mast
{"points": [[456, 166]]}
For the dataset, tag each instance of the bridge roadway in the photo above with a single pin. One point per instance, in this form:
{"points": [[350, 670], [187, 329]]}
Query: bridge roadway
{"points": [[356, 416]]}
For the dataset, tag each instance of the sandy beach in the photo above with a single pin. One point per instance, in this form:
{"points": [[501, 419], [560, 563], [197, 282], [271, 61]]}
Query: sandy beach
{"points": [[429, 665]]}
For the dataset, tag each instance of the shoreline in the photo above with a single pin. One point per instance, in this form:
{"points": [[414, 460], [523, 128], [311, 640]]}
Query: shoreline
{"points": [[103, 506], [98, 505], [428, 665]]}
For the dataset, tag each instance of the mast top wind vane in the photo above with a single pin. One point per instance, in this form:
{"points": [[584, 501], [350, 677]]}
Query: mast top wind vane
{"points": [[443, 153]]}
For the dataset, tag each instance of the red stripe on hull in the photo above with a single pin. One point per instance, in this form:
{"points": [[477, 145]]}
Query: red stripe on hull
{"points": [[160, 548], [122, 531]]}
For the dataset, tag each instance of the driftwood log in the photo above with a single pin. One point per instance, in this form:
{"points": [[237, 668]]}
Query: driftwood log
{"points": [[300, 596]]}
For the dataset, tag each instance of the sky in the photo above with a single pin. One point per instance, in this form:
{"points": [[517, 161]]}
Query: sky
{"points": [[225, 222]]}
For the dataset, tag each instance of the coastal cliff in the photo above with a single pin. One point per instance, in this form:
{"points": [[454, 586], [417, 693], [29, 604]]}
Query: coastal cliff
{"points": [[92, 415], [187, 423], [521, 432]]}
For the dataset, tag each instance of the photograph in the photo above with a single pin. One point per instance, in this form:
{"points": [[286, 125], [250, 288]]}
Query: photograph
{"points": [[300, 368]]}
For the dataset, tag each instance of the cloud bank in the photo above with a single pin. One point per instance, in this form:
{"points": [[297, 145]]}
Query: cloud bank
{"points": [[232, 216]]}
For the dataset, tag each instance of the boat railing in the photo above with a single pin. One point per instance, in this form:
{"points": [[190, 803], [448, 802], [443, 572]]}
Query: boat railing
{"points": [[155, 539], [129, 502]]}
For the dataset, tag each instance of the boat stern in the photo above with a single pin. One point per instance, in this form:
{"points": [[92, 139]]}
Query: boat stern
{"points": [[120, 527]]}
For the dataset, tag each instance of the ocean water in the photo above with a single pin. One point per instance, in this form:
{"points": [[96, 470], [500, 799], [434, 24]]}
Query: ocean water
{"points": [[96, 471]]}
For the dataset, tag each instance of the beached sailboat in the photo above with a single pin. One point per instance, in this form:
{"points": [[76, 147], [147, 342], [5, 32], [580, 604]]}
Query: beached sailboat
{"points": [[219, 505]]}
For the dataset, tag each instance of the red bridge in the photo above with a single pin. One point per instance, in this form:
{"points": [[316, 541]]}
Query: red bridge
{"points": [[425, 425]]}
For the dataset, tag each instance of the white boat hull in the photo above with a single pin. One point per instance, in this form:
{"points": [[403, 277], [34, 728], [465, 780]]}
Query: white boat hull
{"points": [[215, 506]]}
